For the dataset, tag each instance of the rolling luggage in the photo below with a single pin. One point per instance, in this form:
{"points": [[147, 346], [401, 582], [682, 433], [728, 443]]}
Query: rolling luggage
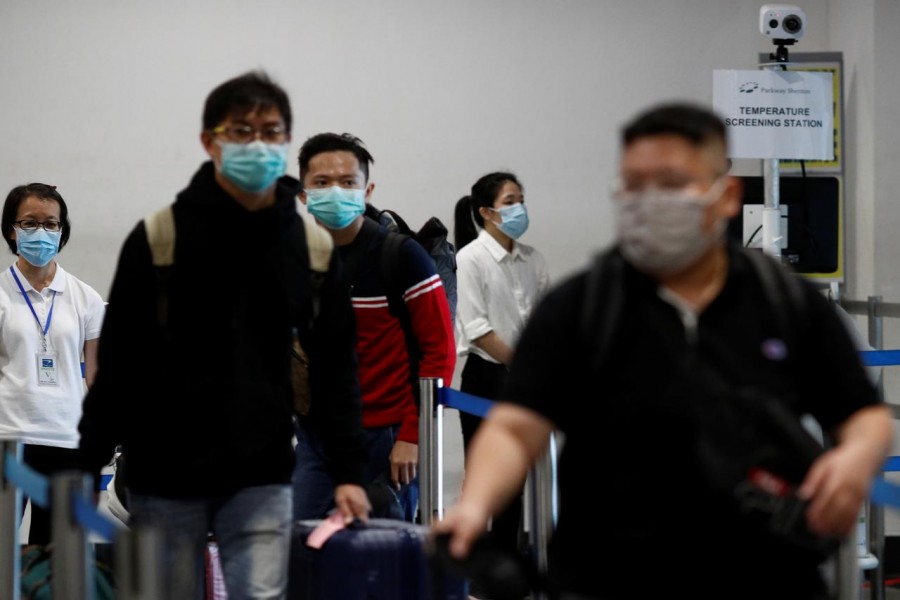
{"points": [[214, 583], [382, 559]]}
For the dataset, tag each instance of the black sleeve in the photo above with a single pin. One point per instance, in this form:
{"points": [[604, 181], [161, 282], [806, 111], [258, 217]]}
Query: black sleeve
{"points": [[835, 382], [123, 349], [336, 409]]}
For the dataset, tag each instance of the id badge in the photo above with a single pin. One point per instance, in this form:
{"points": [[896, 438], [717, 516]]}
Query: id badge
{"points": [[47, 371]]}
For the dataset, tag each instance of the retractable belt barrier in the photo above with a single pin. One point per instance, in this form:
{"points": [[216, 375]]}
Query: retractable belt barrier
{"points": [[69, 496], [883, 492], [37, 488], [464, 402], [880, 358]]}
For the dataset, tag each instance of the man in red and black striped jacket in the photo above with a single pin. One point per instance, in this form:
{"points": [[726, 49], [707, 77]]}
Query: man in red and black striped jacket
{"points": [[403, 333]]}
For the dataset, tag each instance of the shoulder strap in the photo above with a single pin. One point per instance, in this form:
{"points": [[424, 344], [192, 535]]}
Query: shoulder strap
{"points": [[601, 310], [402, 227], [782, 288], [319, 246], [160, 227], [390, 261], [390, 264]]}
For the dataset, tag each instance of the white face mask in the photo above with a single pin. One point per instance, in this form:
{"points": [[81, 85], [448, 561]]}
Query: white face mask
{"points": [[661, 232]]}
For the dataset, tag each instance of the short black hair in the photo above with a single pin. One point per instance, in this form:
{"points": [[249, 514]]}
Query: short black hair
{"points": [[18, 195], [334, 142], [695, 123], [251, 91]]}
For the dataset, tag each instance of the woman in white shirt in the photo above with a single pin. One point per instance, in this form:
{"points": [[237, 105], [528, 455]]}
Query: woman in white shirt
{"points": [[49, 323], [499, 282]]}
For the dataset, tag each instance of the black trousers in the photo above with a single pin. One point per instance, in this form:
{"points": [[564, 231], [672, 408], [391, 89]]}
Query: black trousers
{"points": [[46, 460], [485, 379]]}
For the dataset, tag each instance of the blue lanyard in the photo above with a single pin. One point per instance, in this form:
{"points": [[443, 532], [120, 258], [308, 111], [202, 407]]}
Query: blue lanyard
{"points": [[46, 327]]}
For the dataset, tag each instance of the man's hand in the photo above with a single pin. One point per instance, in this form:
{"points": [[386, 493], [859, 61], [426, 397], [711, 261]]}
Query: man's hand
{"points": [[465, 523], [353, 502], [836, 487], [404, 463], [838, 481]]}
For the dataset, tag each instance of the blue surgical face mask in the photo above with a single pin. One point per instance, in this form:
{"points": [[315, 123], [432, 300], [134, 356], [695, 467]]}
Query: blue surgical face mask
{"points": [[253, 167], [38, 247], [514, 220], [335, 207]]}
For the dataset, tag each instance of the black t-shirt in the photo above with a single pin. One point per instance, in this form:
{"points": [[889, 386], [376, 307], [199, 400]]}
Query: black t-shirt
{"points": [[632, 489]]}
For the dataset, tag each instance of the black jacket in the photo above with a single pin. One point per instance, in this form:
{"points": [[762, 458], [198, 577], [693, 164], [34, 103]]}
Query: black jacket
{"points": [[202, 406]]}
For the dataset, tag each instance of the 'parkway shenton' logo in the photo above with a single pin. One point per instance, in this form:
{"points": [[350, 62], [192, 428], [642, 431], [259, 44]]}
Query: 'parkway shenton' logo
{"points": [[749, 87]]}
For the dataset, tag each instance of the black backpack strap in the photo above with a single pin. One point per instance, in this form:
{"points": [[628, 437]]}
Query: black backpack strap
{"points": [[602, 307], [388, 218], [401, 225], [390, 265], [783, 290], [352, 255]]}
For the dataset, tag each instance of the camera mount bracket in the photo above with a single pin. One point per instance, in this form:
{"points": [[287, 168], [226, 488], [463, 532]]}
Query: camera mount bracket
{"points": [[780, 55]]}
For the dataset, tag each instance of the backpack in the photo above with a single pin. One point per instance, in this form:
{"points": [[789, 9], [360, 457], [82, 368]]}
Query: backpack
{"points": [[750, 446], [433, 236], [36, 577], [160, 227]]}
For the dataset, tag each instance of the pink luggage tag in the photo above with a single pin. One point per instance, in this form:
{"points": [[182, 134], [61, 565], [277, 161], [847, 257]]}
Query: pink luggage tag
{"points": [[325, 529]]}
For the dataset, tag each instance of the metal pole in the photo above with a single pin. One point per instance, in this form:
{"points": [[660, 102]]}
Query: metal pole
{"points": [[439, 461], [139, 564], [10, 519], [847, 580], [428, 394], [71, 556], [875, 512], [543, 507], [540, 497], [771, 216]]}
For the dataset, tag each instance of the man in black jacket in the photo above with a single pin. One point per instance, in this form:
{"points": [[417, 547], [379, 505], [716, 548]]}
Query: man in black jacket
{"points": [[201, 400]]}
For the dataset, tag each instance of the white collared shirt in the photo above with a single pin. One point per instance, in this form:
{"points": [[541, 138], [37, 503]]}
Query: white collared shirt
{"points": [[497, 290], [46, 415]]}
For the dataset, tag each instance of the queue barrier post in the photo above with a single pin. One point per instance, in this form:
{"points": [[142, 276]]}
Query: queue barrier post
{"points": [[139, 564], [540, 498], [10, 519], [430, 457], [72, 553]]}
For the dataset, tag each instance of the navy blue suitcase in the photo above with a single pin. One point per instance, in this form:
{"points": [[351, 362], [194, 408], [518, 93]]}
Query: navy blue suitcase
{"points": [[383, 559]]}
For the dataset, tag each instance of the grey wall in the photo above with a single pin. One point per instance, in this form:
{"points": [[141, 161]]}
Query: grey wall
{"points": [[103, 99]]}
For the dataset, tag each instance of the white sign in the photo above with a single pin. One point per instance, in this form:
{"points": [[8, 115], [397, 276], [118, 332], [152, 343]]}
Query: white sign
{"points": [[776, 114]]}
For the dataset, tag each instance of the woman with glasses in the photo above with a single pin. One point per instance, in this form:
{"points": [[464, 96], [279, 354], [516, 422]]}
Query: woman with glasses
{"points": [[49, 325]]}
